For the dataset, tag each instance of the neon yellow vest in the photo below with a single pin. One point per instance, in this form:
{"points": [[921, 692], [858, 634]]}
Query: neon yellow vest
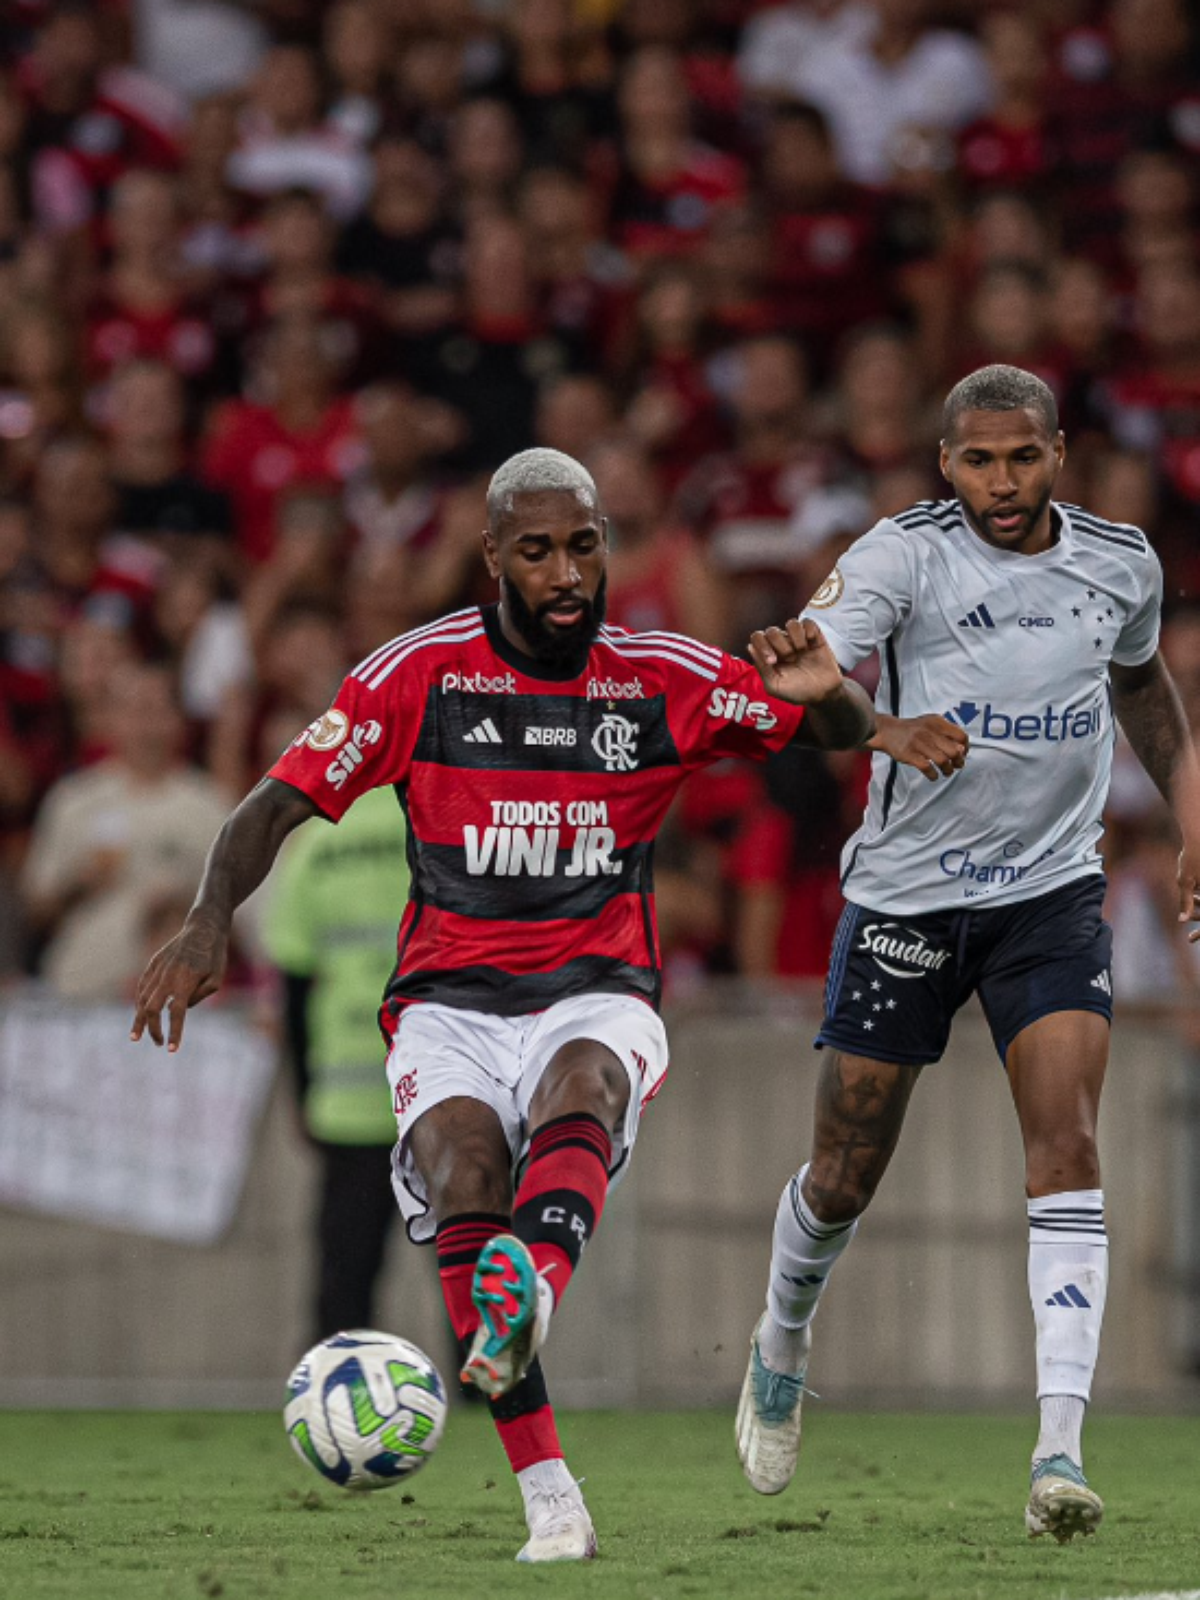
{"points": [[338, 893]]}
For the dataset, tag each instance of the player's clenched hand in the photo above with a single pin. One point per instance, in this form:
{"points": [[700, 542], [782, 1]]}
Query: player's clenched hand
{"points": [[795, 662], [184, 972], [932, 744], [1189, 887]]}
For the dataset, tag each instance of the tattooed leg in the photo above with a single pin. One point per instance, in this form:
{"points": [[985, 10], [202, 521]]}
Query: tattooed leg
{"points": [[859, 1113]]}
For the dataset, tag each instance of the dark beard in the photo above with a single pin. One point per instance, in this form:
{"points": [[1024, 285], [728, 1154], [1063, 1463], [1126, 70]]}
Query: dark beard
{"points": [[1035, 512], [560, 649]]}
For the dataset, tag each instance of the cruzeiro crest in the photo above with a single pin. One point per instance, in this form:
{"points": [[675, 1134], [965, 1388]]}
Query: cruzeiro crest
{"points": [[615, 742]]}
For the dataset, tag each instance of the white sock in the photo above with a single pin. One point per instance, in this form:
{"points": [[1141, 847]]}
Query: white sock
{"points": [[1068, 1284], [802, 1256], [543, 1478], [1061, 1427]]}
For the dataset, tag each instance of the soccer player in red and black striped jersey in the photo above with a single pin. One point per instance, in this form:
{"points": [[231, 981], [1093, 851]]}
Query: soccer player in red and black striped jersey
{"points": [[535, 753]]}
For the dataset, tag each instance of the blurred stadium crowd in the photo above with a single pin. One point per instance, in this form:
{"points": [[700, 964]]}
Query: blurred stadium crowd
{"points": [[281, 282]]}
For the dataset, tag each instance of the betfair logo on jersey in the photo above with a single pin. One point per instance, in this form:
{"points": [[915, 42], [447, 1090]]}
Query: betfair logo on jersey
{"points": [[1054, 725], [524, 836], [478, 683], [731, 706], [904, 952], [353, 755]]}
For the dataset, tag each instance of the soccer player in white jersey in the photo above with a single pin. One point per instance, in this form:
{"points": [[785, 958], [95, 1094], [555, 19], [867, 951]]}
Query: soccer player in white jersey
{"points": [[1025, 626]]}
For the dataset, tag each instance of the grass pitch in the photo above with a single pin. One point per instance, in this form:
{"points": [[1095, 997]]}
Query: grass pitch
{"points": [[176, 1506]]}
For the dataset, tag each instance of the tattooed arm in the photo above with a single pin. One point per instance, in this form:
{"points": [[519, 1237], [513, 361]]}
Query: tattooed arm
{"points": [[795, 663], [1150, 712], [192, 965]]}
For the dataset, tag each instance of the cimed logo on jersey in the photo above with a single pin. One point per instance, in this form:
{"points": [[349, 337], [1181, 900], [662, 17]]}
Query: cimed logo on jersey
{"points": [[615, 742]]}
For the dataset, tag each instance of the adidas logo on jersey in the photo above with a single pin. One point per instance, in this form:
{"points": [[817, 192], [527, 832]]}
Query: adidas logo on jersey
{"points": [[1103, 982], [1070, 1296], [981, 617], [485, 733]]}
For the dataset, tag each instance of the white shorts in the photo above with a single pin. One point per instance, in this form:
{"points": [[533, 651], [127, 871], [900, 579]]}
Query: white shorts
{"points": [[441, 1051]]}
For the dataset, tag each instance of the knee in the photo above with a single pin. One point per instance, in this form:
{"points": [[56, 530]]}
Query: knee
{"points": [[585, 1082], [1062, 1161], [466, 1176]]}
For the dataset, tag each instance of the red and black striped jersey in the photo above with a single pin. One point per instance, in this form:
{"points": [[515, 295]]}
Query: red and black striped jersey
{"points": [[533, 798]]}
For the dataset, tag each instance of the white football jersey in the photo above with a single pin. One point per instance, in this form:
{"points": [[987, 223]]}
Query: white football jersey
{"points": [[1014, 648]]}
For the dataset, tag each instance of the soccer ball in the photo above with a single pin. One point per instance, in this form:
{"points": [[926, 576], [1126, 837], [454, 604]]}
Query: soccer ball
{"points": [[365, 1409]]}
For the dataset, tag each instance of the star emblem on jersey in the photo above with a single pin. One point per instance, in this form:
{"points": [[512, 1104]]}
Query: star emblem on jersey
{"points": [[615, 742]]}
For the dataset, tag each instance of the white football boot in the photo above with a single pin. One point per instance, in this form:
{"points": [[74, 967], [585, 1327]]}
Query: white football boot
{"points": [[768, 1421], [1060, 1501], [559, 1527]]}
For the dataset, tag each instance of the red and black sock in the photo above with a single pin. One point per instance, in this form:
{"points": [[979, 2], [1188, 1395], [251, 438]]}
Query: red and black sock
{"points": [[523, 1417], [561, 1194]]}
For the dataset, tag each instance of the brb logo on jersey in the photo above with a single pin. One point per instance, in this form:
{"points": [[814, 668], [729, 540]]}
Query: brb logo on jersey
{"points": [[731, 706], [1054, 725], [903, 952], [615, 742]]}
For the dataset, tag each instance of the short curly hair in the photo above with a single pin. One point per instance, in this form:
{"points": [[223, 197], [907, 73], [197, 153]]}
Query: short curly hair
{"points": [[1000, 388]]}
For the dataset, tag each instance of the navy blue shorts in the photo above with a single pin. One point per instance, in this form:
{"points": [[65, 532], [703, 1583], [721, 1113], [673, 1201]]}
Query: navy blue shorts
{"points": [[895, 982]]}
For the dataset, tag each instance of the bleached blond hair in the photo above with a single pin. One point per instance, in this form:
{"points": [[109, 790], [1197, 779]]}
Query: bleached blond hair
{"points": [[536, 472]]}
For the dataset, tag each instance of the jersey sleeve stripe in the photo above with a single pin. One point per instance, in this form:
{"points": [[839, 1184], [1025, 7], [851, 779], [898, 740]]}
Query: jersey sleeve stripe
{"points": [[368, 663], [1105, 524], [676, 657], [460, 636], [942, 512], [1111, 538], [674, 641]]}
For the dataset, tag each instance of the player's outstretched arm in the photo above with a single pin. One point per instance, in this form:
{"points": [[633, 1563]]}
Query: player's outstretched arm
{"points": [[795, 663], [1151, 713], [933, 744], [191, 967]]}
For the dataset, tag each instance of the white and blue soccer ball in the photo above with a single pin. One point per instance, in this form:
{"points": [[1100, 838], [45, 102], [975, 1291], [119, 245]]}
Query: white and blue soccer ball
{"points": [[365, 1409]]}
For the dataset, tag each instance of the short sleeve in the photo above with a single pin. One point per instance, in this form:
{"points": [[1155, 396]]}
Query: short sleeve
{"points": [[364, 741], [731, 715], [1138, 639], [867, 595]]}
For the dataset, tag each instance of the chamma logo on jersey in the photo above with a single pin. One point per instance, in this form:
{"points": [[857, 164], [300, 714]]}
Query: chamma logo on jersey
{"points": [[829, 593]]}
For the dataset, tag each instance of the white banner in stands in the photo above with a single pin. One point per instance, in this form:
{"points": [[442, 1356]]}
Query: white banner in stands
{"points": [[96, 1128]]}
